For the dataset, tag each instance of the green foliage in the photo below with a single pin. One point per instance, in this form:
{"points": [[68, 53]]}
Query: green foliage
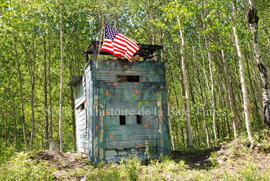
{"points": [[29, 38], [105, 175], [130, 167], [104, 172], [21, 168], [6, 153], [213, 160], [249, 173], [166, 164]]}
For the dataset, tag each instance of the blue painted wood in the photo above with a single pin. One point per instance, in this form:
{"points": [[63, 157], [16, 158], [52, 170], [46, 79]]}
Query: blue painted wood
{"points": [[106, 99], [89, 111]]}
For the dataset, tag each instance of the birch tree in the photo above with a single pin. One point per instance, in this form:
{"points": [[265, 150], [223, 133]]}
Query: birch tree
{"points": [[242, 80], [253, 21]]}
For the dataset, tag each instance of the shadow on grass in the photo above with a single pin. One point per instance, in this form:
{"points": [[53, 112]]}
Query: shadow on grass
{"points": [[195, 159]]}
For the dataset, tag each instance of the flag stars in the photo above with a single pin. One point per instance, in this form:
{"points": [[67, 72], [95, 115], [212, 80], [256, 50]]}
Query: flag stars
{"points": [[110, 33]]}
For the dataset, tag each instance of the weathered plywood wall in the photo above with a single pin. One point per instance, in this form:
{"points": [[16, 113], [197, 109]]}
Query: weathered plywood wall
{"points": [[80, 116], [111, 141]]}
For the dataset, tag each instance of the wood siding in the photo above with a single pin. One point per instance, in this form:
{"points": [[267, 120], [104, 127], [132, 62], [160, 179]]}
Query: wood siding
{"points": [[106, 97], [80, 115]]}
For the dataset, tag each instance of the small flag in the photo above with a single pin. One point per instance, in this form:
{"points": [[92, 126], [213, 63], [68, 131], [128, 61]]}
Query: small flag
{"points": [[118, 44]]}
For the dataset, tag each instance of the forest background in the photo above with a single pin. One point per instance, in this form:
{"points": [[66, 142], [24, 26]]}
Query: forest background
{"points": [[216, 54]]}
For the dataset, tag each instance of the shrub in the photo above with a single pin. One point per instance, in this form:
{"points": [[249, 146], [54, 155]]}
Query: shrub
{"points": [[6, 153], [21, 168], [130, 166], [105, 175], [166, 164]]}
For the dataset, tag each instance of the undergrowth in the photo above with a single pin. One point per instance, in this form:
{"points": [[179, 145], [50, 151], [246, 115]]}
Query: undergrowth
{"points": [[21, 168], [6, 153], [235, 161]]}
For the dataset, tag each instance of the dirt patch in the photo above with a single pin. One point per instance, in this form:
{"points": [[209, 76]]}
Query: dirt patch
{"points": [[194, 159], [238, 153], [70, 166]]}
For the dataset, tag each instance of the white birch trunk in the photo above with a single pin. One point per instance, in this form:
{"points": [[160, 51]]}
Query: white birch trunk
{"points": [[253, 20], [243, 87], [186, 91]]}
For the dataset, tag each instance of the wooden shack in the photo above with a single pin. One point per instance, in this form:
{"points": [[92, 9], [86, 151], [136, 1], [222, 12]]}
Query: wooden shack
{"points": [[121, 106]]}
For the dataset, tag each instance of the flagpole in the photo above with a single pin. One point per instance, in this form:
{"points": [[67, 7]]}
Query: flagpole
{"points": [[102, 32]]}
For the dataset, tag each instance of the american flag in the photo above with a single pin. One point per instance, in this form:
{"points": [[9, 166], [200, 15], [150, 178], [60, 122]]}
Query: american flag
{"points": [[118, 44]]}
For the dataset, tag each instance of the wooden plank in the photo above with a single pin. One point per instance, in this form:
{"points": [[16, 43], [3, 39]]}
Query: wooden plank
{"points": [[83, 138], [131, 125], [81, 117], [118, 138], [138, 131], [143, 65], [129, 144], [82, 120], [82, 128], [106, 70], [88, 89], [80, 113], [144, 78], [79, 101], [82, 123]]}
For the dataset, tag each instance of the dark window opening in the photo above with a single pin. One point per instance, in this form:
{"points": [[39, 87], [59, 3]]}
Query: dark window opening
{"points": [[139, 119], [81, 107], [128, 78], [122, 120]]}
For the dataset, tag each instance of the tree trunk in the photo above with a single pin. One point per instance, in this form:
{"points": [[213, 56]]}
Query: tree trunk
{"points": [[12, 111], [253, 21], [230, 95], [33, 120], [72, 105], [31, 65], [186, 90], [243, 83], [61, 82], [213, 102], [6, 129], [257, 109], [204, 98], [50, 94], [175, 128], [15, 125], [46, 97], [21, 93]]}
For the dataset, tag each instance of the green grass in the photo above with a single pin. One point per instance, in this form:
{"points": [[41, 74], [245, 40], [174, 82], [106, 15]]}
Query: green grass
{"points": [[21, 168], [234, 162]]}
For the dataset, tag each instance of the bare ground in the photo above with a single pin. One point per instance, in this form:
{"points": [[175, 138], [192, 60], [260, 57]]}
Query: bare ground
{"points": [[66, 163]]}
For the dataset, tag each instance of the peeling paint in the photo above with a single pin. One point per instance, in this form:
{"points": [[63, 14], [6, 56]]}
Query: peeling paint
{"points": [[112, 136], [146, 124], [110, 141]]}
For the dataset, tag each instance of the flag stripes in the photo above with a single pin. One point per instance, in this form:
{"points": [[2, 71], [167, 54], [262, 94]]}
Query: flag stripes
{"points": [[118, 44]]}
